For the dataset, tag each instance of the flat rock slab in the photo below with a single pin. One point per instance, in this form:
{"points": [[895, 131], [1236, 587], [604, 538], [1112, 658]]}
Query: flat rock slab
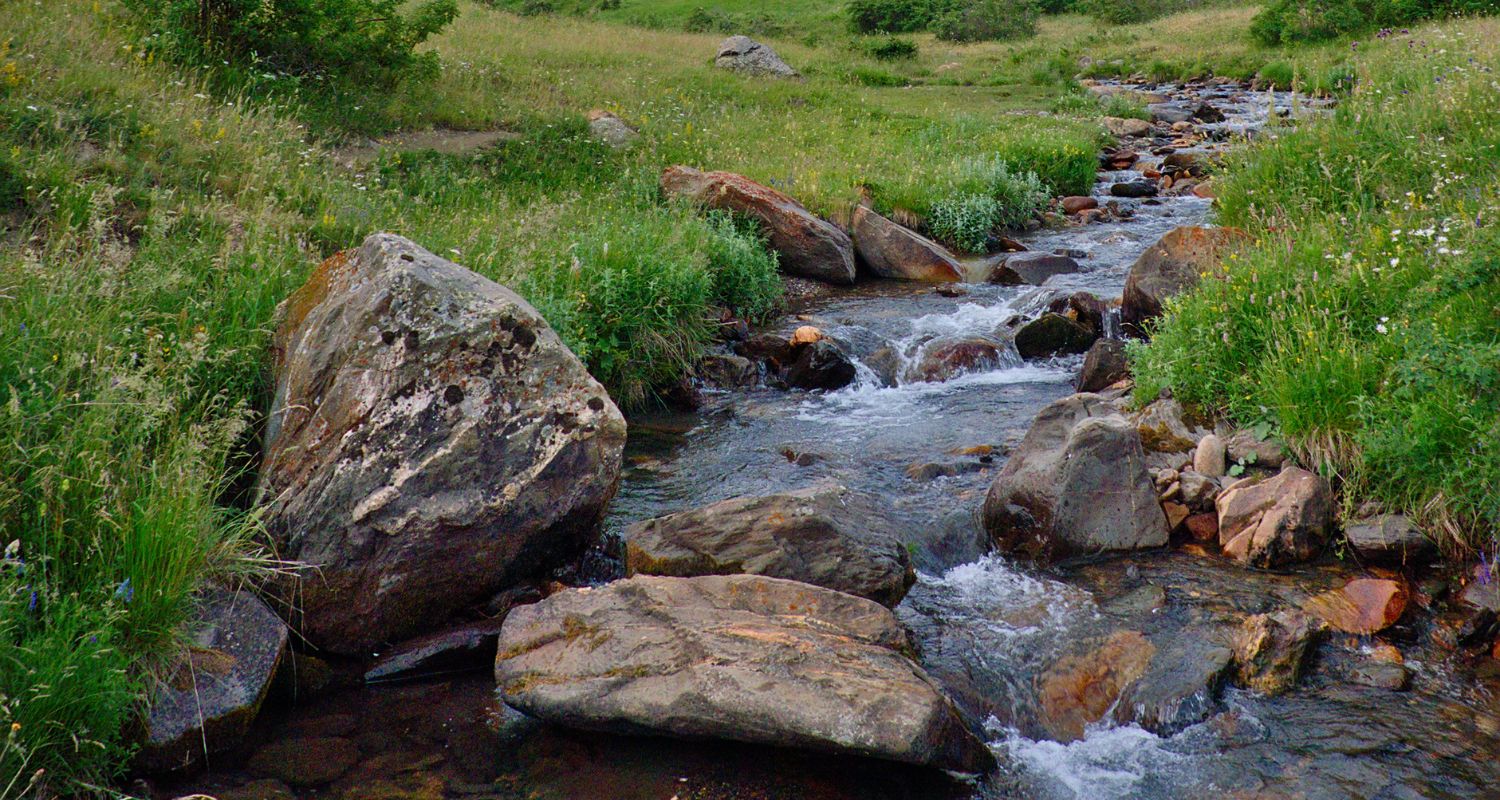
{"points": [[465, 647], [741, 658], [824, 535], [211, 697]]}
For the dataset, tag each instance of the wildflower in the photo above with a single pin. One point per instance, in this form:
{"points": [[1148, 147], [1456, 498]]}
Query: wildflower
{"points": [[125, 592]]}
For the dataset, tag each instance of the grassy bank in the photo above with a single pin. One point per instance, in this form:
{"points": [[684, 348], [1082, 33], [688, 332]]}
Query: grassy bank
{"points": [[1365, 322]]}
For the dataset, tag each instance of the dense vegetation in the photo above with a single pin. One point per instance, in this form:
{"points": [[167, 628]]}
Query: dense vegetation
{"points": [[1288, 21], [1365, 323]]}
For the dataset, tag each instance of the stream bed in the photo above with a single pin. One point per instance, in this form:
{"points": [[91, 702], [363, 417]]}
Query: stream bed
{"points": [[993, 632]]}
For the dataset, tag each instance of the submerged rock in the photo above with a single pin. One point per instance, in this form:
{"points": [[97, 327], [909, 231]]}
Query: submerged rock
{"points": [[745, 55], [947, 358], [806, 245], [1276, 521], [1269, 650], [1362, 606], [466, 647], [431, 442], [1076, 484], [891, 251], [825, 535], [311, 761], [743, 658], [1169, 267], [214, 691]]}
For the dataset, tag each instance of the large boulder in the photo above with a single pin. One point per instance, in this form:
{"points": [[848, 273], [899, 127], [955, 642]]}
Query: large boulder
{"points": [[825, 535], [806, 245], [745, 55], [1171, 266], [739, 657], [431, 441], [1276, 521], [214, 690], [1077, 483], [892, 251]]}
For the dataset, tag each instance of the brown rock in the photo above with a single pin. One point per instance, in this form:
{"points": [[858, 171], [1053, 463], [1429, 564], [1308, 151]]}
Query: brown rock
{"points": [[824, 535], [1103, 365], [1051, 334], [806, 334], [947, 358], [1125, 127], [1077, 691], [1172, 265], [1208, 459], [431, 441], [738, 657], [1084, 308], [1390, 539], [1203, 527], [891, 251], [807, 246], [1276, 521], [1246, 448], [1176, 513], [1073, 205], [1269, 649], [1362, 606]]}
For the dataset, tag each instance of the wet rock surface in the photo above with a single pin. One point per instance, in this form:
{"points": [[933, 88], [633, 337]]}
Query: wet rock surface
{"points": [[215, 688], [743, 658], [827, 536], [431, 442]]}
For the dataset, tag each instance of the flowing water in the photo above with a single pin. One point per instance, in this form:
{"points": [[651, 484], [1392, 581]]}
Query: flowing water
{"points": [[991, 631]]}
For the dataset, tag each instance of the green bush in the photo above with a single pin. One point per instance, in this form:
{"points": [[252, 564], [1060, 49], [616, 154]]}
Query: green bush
{"points": [[890, 48], [1127, 12], [985, 196], [987, 20], [359, 40], [1291, 21], [891, 16]]}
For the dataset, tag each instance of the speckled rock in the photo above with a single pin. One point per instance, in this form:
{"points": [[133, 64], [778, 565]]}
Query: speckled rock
{"points": [[738, 657], [745, 55], [212, 695], [431, 442], [823, 535]]}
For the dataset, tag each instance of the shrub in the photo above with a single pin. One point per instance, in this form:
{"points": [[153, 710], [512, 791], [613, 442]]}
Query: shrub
{"points": [[362, 40], [1120, 106], [891, 48], [987, 20], [984, 196], [890, 16], [1128, 12], [1290, 21]]}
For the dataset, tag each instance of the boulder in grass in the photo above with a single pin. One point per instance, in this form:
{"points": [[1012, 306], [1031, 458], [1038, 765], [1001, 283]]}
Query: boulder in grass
{"points": [[892, 251], [737, 657], [825, 535], [431, 441], [611, 130], [747, 56], [214, 691], [1171, 266], [1077, 484], [806, 245]]}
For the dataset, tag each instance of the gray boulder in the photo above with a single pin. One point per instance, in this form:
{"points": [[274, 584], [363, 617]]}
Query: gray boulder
{"points": [[824, 535], [1032, 268], [745, 55], [1104, 365], [1390, 539], [211, 695], [611, 130], [1077, 484], [431, 441], [740, 657], [1051, 334]]}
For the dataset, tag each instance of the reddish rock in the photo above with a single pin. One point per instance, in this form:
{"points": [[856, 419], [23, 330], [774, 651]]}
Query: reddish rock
{"points": [[1104, 365], [1362, 606], [891, 251], [1075, 204], [807, 245], [1172, 265], [948, 358], [1080, 690], [1203, 527], [1276, 521], [807, 334]]}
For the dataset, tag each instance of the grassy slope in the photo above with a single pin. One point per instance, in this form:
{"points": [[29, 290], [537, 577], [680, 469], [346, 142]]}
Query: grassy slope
{"points": [[1365, 323]]}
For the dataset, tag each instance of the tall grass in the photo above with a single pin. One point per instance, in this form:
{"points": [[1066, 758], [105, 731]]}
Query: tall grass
{"points": [[1363, 323]]}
